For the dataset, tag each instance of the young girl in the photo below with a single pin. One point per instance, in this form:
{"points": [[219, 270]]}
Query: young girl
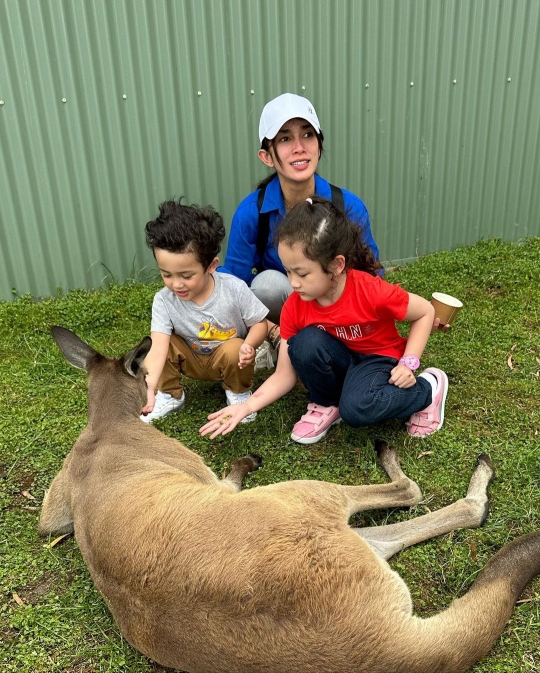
{"points": [[339, 335]]}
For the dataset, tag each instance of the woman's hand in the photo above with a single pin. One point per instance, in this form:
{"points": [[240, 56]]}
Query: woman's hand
{"points": [[150, 401], [402, 377], [225, 420], [247, 355]]}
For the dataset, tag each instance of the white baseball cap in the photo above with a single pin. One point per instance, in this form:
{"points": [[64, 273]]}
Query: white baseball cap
{"points": [[281, 109]]}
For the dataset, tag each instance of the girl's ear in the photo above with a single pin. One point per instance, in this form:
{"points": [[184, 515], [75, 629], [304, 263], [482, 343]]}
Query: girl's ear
{"points": [[338, 265], [266, 158], [213, 265]]}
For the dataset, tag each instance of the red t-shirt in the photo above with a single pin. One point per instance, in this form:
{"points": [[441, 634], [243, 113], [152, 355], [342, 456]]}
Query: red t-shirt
{"points": [[363, 318]]}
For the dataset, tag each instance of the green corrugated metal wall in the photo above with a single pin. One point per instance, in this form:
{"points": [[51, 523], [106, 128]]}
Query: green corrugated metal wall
{"points": [[430, 108]]}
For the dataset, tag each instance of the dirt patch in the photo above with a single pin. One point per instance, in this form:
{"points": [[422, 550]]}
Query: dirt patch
{"points": [[48, 582]]}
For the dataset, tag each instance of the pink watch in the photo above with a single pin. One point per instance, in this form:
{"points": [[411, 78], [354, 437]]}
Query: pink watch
{"points": [[410, 361]]}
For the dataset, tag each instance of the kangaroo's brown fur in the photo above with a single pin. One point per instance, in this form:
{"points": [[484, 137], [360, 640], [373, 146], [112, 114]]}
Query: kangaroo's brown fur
{"points": [[206, 578]]}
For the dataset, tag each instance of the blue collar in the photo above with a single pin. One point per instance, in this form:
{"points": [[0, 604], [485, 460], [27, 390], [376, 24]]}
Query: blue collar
{"points": [[273, 197]]}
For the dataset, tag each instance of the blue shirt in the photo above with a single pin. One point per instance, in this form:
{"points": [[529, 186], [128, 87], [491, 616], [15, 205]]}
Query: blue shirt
{"points": [[242, 257]]}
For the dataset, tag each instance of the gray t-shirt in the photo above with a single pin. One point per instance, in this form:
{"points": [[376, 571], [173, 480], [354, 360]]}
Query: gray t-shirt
{"points": [[229, 312]]}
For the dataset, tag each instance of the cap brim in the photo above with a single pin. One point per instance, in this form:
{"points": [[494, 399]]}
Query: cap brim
{"points": [[274, 129]]}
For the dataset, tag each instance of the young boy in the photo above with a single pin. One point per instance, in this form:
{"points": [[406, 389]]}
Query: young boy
{"points": [[205, 324]]}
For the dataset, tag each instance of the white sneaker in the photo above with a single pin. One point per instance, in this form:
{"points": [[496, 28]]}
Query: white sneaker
{"points": [[265, 356], [238, 398], [165, 405]]}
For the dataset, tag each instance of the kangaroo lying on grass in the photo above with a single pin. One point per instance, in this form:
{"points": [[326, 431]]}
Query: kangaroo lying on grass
{"points": [[203, 577]]}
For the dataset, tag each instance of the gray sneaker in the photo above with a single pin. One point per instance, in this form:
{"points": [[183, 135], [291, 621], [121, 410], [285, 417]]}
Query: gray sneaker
{"points": [[238, 398], [165, 405]]}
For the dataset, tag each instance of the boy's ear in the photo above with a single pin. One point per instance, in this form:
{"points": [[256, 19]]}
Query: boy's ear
{"points": [[213, 265], [266, 158]]}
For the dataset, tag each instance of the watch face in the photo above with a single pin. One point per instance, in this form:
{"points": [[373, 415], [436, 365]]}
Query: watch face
{"points": [[411, 361]]}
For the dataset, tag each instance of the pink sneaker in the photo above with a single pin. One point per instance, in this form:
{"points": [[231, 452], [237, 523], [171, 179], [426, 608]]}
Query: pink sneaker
{"points": [[430, 419], [315, 424]]}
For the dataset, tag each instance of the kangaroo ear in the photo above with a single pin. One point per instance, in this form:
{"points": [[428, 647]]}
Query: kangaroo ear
{"points": [[76, 352], [133, 360]]}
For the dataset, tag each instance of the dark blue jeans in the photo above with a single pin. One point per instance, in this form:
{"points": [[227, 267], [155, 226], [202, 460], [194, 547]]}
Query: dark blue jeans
{"points": [[357, 384]]}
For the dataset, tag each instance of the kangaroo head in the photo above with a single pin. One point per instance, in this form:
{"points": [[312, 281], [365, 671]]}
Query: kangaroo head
{"points": [[122, 379]]}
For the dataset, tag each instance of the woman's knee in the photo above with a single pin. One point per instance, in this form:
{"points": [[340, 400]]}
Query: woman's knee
{"points": [[271, 288]]}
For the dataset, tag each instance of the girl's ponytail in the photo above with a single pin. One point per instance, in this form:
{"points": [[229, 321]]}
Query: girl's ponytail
{"points": [[324, 231]]}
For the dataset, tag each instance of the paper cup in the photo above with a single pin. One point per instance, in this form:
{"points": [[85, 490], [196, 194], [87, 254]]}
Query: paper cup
{"points": [[446, 307]]}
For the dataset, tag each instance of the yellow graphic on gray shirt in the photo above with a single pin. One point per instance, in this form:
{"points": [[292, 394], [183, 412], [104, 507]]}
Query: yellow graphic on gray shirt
{"points": [[212, 333]]}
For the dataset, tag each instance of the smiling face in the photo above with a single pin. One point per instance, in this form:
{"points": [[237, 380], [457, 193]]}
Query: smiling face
{"points": [[307, 277], [294, 153], [183, 274]]}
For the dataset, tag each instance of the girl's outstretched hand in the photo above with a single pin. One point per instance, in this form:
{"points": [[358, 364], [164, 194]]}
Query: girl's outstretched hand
{"points": [[402, 377], [225, 420]]}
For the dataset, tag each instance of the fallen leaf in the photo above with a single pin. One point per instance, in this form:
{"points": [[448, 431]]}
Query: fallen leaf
{"points": [[510, 363], [18, 599], [28, 495], [29, 507], [525, 600], [427, 509], [537, 360], [513, 347], [473, 552], [55, 541], [424, 453]]}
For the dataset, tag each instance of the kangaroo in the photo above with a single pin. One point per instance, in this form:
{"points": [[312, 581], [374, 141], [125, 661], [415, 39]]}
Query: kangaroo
{"points": [[204, 577]]}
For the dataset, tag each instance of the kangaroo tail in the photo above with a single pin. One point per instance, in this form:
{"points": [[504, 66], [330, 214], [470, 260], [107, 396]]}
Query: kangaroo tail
{"points": [[452, 641]]}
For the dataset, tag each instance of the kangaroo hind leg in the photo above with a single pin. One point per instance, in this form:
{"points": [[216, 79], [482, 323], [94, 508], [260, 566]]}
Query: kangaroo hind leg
{"points": [[400, 492], [468, 512]]}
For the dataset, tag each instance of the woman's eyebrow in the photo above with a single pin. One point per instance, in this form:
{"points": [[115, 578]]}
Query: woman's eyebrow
{"points": [[304, 127]]}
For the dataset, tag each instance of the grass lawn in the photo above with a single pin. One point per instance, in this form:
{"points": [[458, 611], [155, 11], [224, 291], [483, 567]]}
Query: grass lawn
{"points": [[51, 617]]}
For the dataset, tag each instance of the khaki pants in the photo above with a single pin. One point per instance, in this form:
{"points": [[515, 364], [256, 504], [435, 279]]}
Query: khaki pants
{"points": [[221, 365]]}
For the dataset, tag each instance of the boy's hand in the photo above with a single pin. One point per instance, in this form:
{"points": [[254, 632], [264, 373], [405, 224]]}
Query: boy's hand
{"points": [[150, 402], [247, 355], [437, 327], [223, 421], [402, 377]]}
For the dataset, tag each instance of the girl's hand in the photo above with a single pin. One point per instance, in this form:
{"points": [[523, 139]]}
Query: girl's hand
{"points": [[247, 355], [225, 420], [150, 401], [402, 377], [437, 327]]}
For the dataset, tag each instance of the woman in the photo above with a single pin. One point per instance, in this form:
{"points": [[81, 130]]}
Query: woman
{"points": [[291, 144]]}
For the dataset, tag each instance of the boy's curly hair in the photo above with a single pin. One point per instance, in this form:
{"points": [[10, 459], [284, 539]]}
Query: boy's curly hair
{"points": [[324, 232], [185, 229]]}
